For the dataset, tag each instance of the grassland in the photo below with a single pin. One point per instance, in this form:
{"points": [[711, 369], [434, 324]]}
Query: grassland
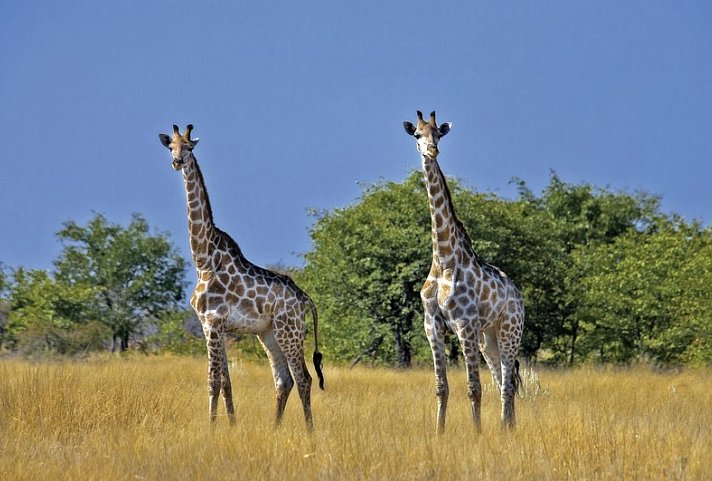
{"points": [[146, 419]]}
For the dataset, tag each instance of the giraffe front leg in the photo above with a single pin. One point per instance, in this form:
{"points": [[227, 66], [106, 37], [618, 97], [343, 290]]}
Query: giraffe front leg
{"points": [[227, 386], [217, 363], [215, 349], [434, 331]]}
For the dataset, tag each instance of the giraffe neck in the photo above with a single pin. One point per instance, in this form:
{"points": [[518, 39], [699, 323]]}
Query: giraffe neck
{"points": [[446, 229], [201, 228]]}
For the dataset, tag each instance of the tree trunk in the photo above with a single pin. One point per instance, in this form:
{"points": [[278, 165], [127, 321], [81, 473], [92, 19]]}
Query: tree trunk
{"points": [[574, 335], [120, 342], [403, 352], [402, 328]]}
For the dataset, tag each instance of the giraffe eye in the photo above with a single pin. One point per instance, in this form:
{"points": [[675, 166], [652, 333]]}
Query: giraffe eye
{"points": [[417, 135]]}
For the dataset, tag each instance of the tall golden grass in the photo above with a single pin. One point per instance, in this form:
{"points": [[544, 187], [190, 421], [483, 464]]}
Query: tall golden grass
{"points": [[146, 419]]}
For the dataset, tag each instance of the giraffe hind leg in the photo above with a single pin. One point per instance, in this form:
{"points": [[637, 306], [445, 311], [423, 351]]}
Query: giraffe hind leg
{"points": [[292, 346], [507, 393], [283, 381], [490, 352], [508, 347], [303, 380], [468, 341]]}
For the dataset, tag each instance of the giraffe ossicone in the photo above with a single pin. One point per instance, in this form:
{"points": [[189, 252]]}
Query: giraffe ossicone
{"points": [[233, 294], [465, 294]]}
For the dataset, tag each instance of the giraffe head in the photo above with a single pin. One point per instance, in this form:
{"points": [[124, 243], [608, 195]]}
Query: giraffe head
{"points": [[181, 146], [427, 134]]}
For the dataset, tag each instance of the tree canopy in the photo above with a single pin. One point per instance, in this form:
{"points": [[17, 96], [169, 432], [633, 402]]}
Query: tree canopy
{"points": [[605, 275], [110, 276], [569, 250]]}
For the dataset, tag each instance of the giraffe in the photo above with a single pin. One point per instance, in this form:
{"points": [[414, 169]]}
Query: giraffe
{"points": [[233, 294], [465, 294]]}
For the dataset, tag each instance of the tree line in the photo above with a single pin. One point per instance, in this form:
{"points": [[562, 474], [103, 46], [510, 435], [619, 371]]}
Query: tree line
{"points": [[109, 285], [606, 277]]}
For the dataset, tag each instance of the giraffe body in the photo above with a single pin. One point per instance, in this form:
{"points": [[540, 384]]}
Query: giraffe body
{"points": [[464, 294], [234, 295]]}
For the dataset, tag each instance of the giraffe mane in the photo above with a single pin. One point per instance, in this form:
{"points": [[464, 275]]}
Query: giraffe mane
{"points": [[231, 244], [201, 179], [232, 247], [460, 226]]}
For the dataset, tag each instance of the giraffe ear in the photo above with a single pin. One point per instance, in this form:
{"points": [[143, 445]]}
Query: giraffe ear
{"points": [[195, 141], [444, 128], [409, 128], [165, 140]]}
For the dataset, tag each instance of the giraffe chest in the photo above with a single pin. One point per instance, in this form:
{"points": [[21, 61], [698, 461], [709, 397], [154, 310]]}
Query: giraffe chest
{"points": [[448, 283], [458, 295]]}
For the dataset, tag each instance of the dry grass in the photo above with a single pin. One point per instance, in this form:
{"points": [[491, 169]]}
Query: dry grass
{"points": [[146, 418]]}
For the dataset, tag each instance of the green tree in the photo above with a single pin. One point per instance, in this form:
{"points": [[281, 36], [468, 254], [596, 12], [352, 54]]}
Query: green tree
{"points": [[647, 295], [173, 336], [580, 216], [365, 272], [135, 275], [693, 328], [4, 303], [47, 315], [371, 258]]}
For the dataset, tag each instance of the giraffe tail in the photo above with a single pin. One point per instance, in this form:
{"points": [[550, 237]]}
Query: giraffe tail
{"points": [[516, 377], [317, 357]]}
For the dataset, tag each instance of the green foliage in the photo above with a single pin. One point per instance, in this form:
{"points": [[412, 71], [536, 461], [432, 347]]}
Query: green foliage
{"points": [[4, 303], [586, 214], [109, 281], [371, 258], [46, 315], [605, 277], [134, 275], [366, 269], [648, 295], [173, 336], [579, 216]]}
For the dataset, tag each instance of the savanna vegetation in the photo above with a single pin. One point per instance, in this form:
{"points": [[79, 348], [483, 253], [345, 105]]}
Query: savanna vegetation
{"points": [[611, 284], [606, 276], [110, 284], [144, 418]]}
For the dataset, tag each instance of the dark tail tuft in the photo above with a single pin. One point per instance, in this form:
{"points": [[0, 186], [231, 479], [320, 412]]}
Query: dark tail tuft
{"points": [[516, 378], [318, 365], [317, 357]]}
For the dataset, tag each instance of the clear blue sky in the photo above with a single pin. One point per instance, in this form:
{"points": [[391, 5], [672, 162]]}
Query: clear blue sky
{"points": [[296, 103]]}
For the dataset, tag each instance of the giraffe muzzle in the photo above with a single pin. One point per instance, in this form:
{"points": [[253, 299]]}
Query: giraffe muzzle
{"points": [[177, 164]]}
